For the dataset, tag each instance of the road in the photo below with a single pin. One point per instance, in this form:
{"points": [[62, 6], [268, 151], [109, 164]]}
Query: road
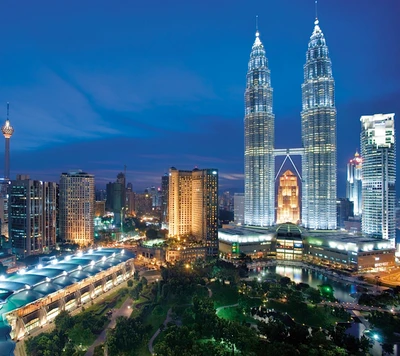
{"points": [[124, 310]]}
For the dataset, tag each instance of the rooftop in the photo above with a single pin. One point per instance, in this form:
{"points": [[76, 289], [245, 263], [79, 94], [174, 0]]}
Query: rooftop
{"points": [[28, 285]]}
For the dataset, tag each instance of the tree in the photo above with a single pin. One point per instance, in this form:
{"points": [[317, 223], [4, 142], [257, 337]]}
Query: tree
{"points": [[314, 296], [127, 336], [387, 349], [130, 283], [80, 335], [151, 234], [177, 341], [64, 321], [205, 318]]}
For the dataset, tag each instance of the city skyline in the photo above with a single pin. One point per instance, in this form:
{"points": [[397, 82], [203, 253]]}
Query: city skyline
{"points": [[148, 88]]}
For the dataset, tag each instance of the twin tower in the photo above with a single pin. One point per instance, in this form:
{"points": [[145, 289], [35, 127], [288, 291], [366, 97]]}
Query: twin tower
{"points": [[318, 130]]}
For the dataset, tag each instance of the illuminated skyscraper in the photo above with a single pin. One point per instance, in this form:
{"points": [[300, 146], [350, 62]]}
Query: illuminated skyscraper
{"points": [[259, 141], [32, 216], [288, 199], [193, 206], [318, 123], [378, 149], [354, 186], [77, 208]]}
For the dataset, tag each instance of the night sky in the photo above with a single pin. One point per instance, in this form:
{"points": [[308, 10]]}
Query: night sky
{"points": [[96, 85]]}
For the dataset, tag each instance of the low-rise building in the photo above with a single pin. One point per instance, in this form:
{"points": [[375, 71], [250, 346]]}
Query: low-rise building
{"points": [[33, 297], [334, 249], [342, 250], [255, 242]]}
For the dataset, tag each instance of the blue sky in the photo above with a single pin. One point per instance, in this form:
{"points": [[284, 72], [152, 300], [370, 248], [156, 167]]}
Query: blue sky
{"points": [[95, 85]]}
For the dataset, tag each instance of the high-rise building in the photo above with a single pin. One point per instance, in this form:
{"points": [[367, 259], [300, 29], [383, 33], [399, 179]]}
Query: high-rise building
{"points": [[77, 207], [7, 131], [344, 212], [143, 203], [318, 123], [32, 216], [259, 141], [354, 183], [193, 206], [288, 199], [378, 150], [164, 197], [130, 200], [238, 208]]}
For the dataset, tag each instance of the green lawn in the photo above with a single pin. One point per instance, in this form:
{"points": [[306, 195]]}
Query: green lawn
{"points": [[156, 317], [306, 314], [235, 314], [223, 294]]}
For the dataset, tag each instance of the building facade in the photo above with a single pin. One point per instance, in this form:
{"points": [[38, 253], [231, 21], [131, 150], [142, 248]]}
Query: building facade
{"points": [[32, 216], [259, 141], [164, 198], [318, 122], [288, 199], [354, 183], [238, 208], [193, 206], [77, 207], [378, 149]]}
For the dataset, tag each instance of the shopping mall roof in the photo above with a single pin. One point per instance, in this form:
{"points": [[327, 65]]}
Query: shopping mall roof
{"points": [[28, 285]]}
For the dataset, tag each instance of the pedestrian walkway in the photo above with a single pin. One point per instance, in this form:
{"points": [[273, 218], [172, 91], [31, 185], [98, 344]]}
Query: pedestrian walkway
{"points": [[124, 310], [165, 323]]}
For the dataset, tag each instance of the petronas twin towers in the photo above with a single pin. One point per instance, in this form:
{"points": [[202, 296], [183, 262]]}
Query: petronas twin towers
{"points": [[318, 118]]}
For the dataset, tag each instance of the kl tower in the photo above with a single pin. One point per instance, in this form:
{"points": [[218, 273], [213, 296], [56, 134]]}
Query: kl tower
{"points": [[7, 131]]}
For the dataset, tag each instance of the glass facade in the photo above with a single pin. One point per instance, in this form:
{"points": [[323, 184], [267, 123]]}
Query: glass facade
{"points": [[354, 185], [318, 123], [378, 149], [259, 141]]}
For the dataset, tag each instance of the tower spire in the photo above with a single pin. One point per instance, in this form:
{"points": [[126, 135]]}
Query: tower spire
{"points": [[316, 10], [256, 23], [8, 111]]}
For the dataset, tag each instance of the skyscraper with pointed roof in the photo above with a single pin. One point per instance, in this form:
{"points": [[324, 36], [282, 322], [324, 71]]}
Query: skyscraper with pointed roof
{"points": [[259, 141], [354, 183], [318, 124]]}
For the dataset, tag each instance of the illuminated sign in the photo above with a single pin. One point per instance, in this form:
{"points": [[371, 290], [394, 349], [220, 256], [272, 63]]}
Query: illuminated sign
{"points": [[235, 247]]}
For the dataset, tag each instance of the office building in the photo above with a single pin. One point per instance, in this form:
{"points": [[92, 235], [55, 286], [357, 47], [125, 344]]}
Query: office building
{"points": [[164, 198], [318, 125], [238, 209], [99, 208], [193, 206], [143, 203], [378, 150], [288, 199], [259, 129], [77, 208], [344, 211], [32, 216], [354, 183], [4, 215], [130, 200]]}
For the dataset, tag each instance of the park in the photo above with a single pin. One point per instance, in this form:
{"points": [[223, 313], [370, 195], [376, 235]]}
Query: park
{"points": [[208, 308]]}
